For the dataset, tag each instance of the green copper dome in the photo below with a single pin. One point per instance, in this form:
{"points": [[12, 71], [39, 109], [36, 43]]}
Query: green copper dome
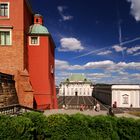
{"points": [[77, 78], [38, 29]]}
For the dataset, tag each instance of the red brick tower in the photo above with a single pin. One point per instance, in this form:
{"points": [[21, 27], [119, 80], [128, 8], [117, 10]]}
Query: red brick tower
{"points": [[31, 63], [15, 19], [41, 65]]}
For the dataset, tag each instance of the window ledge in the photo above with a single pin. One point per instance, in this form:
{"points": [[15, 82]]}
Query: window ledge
{"points": [[4, 18], [33, 45], [5, 45], [6, 27]]}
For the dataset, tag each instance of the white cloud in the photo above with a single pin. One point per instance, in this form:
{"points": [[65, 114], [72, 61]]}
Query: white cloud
{"points": [[131, 65], [59, 64], [67, 17], [107, 66], [119, 48], [105, 52], [99, 64], [61, 8], [64, 65], [63, 16], [133, 50], [70, 44], [108, 78], [135, 9], [97, 75]]}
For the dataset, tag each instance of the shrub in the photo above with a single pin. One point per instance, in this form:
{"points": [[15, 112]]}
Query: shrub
{"points": [[57, 127], [15, 128], [101, 128], [128, 129], [36, 126], [39, 124]]}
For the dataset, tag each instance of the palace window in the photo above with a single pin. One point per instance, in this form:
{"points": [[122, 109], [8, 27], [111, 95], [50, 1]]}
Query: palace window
{"points": [[4, 10], [34, 40], [125, 99], [5, 37]]}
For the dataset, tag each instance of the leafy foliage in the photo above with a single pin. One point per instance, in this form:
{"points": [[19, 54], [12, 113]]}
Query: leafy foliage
{"points": [[17, 128], [36, 126]]}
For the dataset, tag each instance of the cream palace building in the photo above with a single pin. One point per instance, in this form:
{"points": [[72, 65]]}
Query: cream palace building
{"points": [[76, 85]]}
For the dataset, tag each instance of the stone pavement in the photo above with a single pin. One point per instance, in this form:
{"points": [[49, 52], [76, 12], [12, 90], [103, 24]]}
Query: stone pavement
{"points": [[86, 112], [71, 111], [127, 115]]}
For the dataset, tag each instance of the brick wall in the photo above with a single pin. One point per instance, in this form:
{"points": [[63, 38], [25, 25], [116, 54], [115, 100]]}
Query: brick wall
{"points": [[14, 58]]}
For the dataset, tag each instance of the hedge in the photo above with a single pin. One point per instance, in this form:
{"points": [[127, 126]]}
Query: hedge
{"points": [[36, 126], [16, 128]]}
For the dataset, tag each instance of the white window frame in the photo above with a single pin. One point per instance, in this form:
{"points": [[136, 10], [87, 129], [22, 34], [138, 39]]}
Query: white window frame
{"points": [[7, 30], [124, 97], [30, 42], [6, 17]]}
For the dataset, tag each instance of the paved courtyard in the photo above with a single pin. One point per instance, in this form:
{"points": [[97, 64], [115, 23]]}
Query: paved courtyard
{"points": [[71, 111], [74, 102], [86, 112]]}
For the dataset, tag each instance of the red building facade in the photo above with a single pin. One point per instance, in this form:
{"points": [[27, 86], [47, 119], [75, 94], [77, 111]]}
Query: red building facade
{"points": [[27, 53]]}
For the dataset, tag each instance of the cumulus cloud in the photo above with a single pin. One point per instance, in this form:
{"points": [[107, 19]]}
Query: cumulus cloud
{"points": [[133, 50], [64, 65], [60, 64], [108, 78], [97, 75], [105, 52], [99, 64], [118, 48], [131, 65], [70, 44], [135, 9], [123, 78], [63, 16], [107, 67]]}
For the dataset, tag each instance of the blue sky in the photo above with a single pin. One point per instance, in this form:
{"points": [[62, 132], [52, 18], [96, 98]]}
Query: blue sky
{"points": [[100, 38]]}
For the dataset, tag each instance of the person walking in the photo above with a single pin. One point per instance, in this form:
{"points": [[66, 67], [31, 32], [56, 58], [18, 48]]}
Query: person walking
{"points": [[97, 108]]}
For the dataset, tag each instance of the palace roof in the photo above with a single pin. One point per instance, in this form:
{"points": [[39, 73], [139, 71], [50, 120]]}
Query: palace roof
{"points": [[77, 78]]}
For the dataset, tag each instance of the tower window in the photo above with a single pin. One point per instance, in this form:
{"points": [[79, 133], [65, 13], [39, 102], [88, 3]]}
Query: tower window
{"points": [[5, 37], [4, 10], [34, 40]]}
